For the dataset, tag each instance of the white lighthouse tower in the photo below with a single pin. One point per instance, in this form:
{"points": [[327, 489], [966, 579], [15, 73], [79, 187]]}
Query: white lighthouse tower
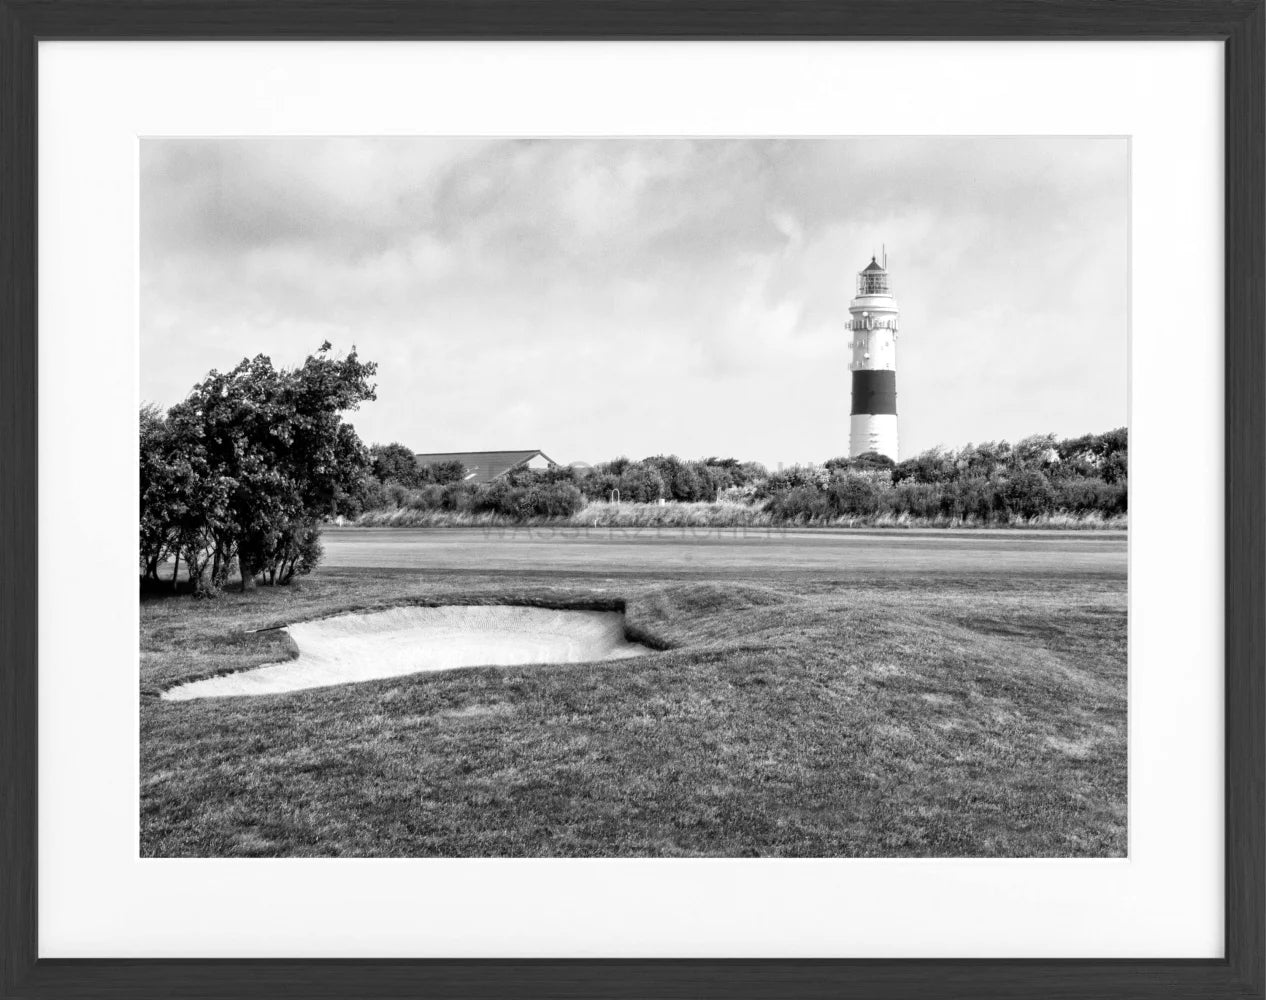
{"points": [[873, 424]]}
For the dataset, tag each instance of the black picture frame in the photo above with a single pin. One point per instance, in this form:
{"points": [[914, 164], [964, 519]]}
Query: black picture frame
{"points": [[1239, 24]]}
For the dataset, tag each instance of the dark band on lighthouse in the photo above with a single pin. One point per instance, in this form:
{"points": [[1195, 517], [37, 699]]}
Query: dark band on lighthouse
{"points": [[874, 391]]}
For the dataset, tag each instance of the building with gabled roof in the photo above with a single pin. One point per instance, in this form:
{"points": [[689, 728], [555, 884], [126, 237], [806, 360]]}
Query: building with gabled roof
{"points": [[485, 466]]}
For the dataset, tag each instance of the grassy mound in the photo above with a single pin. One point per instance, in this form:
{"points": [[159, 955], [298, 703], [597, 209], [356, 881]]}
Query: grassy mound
{"points": [[814, 713]]}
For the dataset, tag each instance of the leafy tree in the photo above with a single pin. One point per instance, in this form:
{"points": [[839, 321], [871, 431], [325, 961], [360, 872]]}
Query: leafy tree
{"points": [[598, 484], [873, 460], [719, 474], [394, 463], [641, 484], [168, 491], [1038, 451], [985, 459], [1028, 493], [936, 465], [250, 462], [1103, 455], [681, 482], [791, 478], [443, 473]]}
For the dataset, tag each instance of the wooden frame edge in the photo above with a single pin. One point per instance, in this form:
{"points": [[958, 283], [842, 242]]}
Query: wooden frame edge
{"points": [[1242, 25]]}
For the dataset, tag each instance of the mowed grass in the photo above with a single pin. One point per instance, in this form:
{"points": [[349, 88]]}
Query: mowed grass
{"points": [[820, 714]]}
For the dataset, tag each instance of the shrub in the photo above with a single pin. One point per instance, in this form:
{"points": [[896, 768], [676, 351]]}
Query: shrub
{"points": [[550, 500], [598, 485], [872, 460], [1083, 496], [801, 503], [496, 496], [854, 496], [428, 497], [641, 484], [780, 482], [444, 473], [539, 499], [458, 497], [976, 497], [987, 483], [681, 481], [1028, 493], [936, 465], [395, 494], [917, 499]]}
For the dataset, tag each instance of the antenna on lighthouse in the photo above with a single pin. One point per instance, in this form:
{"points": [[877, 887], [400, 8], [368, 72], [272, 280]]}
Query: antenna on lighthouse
{"points": [[885, 253]]}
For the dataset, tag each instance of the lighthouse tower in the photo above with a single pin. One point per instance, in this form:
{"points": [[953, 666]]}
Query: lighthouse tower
{"points": [[873, 424]]}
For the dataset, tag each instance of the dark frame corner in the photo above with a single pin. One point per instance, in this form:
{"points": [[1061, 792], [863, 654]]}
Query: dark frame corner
{"points": [[1240, 24]]}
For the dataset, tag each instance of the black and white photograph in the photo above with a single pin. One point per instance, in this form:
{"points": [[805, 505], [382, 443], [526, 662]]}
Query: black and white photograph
{"points": [[656, 496]]}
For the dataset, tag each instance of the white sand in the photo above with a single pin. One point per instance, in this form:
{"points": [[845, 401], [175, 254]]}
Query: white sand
{"points": [[410, 640]]}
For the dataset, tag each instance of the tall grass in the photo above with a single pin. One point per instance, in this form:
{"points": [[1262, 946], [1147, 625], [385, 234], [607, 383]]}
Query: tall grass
{"points": [[724, 514], [419, 517], [717, 514]]}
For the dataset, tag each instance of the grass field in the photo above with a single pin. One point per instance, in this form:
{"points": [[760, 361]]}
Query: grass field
{"points": [[824, 694]]}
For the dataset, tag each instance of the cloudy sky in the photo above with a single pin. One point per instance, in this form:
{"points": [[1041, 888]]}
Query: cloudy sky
{"points": [[599, 297]]}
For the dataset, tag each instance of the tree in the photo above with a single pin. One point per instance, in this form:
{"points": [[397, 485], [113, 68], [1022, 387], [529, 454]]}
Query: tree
{"points": [[1105, 455], [1028, 493], [750, 473], [681, 482], [641, 484], [984, 459], [394, 463], [250, 462], [1038, 451], [873, 460], [443, 473], [165, 489], [936, 465]]}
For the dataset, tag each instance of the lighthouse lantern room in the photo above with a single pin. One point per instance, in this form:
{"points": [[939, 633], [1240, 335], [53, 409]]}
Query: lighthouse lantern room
{"points": [[873, 423]]}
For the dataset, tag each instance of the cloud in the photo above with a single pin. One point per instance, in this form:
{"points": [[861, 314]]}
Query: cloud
{"points": [[603, 296]]}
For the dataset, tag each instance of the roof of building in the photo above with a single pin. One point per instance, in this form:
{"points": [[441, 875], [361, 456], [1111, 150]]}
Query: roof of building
{"points": [[483, 466], [874, 265]]}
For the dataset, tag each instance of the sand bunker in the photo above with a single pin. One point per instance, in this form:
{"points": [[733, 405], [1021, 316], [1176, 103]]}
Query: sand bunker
{"points": [[410, 640]]}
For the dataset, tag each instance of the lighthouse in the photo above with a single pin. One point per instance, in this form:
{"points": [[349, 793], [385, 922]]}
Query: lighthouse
{"points": [[873, 424]]}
